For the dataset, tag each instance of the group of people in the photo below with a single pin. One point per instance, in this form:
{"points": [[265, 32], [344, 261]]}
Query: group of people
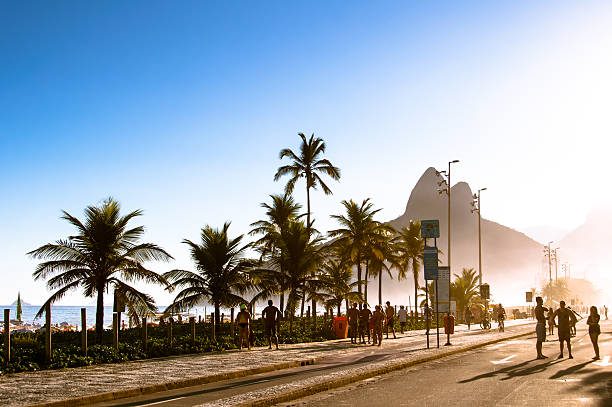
{"points": [[566, 321], [271, 316], [499, 313], [363, 322]]}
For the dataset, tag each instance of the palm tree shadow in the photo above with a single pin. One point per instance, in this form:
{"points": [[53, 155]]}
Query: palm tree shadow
{"points": [[599, 385], [521, 369]]}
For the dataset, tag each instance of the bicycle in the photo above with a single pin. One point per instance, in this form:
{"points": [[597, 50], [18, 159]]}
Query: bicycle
{"points": [[501, 324], [485, 323]]}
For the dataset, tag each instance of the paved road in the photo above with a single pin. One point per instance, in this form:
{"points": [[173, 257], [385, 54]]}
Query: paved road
{"points": [[505, 374], [236, 391]]}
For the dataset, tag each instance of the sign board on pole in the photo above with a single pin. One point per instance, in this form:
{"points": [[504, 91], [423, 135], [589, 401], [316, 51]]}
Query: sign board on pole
{"points": [[118, 304], [528, 296], [484, 291], [430, 262], [443, 289], [430, 229]]}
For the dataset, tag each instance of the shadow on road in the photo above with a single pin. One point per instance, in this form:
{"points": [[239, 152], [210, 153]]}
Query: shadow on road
{"points": [[521, 369], [599, 385], [570, 370]]}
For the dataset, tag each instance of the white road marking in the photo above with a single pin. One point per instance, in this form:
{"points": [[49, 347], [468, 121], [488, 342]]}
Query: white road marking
{"points": [[160, 402], [504, 360], [604, 362]]}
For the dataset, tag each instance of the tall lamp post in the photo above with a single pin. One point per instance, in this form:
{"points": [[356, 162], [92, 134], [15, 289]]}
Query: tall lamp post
{"points": [[476, 205], [556, 257], [447, 190], [548, 254]]}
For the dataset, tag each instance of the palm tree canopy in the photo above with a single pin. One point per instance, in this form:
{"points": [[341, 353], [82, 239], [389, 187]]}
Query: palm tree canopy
{"points": [[307, 164], [465, 287], [221, 271], [103, 253]]}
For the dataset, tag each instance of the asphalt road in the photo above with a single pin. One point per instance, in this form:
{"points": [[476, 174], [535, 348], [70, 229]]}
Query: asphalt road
{"points": [[505, 374], [209, 393]]}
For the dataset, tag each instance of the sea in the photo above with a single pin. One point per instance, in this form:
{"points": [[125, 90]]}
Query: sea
{"points": [[72, 314]]}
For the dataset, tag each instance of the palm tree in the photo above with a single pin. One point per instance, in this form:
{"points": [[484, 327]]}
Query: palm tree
{"points": [[410, 252], [221, 272], [103, 254], [382, 256], [281, 212], [336, 279], [465, 288], [293, 266], [307, 165], [358, 228], [555, 289]]}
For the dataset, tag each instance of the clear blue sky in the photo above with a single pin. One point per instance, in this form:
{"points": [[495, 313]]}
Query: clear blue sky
{"points": [[181, 109]]}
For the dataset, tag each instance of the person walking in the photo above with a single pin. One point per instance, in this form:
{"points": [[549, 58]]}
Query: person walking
{"points": [[551, 321], [390, 319], [402, 315], [353, 317], [564, 316], [501, 317], [468, 315], [606, 312], [364, 323], [540, 316], [378, 319], [594, 330], [271, 316], [243, 319]]}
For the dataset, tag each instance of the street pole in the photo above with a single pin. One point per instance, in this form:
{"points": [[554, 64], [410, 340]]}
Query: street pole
{"points": [[556, 266], [549, 271], [449, 244]]}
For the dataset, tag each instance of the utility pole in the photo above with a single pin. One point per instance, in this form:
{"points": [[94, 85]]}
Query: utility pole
{"points": [[547, 253], [476, 208], [556, 264]]}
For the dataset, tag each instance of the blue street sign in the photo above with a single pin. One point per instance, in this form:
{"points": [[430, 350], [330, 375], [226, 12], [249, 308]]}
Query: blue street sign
{"points": [[430, 263], [430, 229]]}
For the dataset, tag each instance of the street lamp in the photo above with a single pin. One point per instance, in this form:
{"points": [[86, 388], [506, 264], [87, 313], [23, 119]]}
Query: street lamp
{"points": [[476, 208]]}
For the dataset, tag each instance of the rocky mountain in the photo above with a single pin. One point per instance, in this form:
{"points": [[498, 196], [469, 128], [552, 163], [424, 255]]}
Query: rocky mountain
{"points": [[510, 259]]}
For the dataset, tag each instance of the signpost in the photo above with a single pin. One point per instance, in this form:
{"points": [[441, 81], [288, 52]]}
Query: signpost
{"points": [[443, 294], [430, 263], [430, 229]]}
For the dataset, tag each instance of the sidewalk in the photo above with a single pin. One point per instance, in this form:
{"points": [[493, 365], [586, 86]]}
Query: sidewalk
{"points": [[133, 378]]}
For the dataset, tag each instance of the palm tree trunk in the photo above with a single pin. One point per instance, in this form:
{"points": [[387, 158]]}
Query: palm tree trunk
{"points": [[416, 303], [100, 315], [302, 311], [358, 278], [339, 305], [314, 302], [347, 307], [380, 301], [282, 302], [217, 314], [367, 276]]}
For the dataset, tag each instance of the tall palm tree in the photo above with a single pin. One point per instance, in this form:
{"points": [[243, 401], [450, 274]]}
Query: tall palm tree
{"points": [[103, 254], [382, 256], [294, 265], [336, 279], [358, 228], [464, 288], [280, 213], [409, 245], [308, 165], [221, 277]]}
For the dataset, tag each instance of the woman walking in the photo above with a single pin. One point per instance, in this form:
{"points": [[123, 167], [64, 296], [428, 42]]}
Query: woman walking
{"points": [[594, 330]]}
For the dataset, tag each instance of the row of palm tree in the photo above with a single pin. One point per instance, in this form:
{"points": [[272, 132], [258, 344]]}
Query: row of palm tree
{"points": [[295, 261]]}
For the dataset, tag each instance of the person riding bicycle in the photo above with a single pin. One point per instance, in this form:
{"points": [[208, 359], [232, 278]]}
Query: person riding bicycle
{"points": [[501, 316], [485, 324]]}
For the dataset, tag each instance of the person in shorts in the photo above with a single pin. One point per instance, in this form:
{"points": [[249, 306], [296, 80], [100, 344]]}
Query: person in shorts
{"points": [[378, 319], [243, 319], [353, 317], [564, 316], [271, 317], [540, 316], [594, 330], [364, 323], [390, 319], [402, 315]]}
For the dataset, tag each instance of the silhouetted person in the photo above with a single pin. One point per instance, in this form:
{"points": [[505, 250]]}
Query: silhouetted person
{"points": [[390, 317], [378, 319], [606, 312], [564, 316], [468, 316], [243, 319], [594, 330], [501, 317], [364, 323], [540, 316], [353, 320], [551, 321], [271, 317], [402, 315]]}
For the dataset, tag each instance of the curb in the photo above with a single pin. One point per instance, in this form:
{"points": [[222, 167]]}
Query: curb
{"points": [[335, 383], [177, 384]]}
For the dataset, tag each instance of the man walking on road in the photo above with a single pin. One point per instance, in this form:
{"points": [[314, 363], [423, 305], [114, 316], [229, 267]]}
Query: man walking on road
{"points": [[540, 326], [271, 317], [353, 320], [563, 316], [390, 316]]}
